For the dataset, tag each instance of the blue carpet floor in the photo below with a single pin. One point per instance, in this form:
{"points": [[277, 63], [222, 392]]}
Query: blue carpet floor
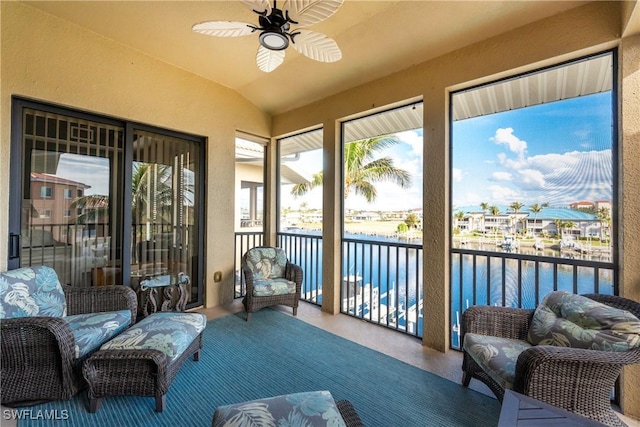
{"points": [[276, 354]]}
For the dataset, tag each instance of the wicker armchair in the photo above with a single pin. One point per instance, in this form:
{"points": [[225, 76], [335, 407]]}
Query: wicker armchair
{"points": [[576, 379], [271, 279], [38, 354]]}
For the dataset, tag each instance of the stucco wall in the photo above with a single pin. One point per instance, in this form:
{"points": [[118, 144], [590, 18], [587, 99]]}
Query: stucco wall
{"points": [[578, 32], [49, 59], [629, 204]]}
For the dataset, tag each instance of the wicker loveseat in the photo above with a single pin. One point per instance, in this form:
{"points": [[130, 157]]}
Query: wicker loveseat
{"points": [[48, 330], [568, 352], [271, 279]]}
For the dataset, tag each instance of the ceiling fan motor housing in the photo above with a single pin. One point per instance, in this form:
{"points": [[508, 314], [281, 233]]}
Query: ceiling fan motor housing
{"points": [[275, 26]]}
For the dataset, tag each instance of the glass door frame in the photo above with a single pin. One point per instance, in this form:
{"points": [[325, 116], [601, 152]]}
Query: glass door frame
{"points": [[18, 104]]}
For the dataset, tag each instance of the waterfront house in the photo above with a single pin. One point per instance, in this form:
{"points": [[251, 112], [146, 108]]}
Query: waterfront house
{"points": [[139, 71]]}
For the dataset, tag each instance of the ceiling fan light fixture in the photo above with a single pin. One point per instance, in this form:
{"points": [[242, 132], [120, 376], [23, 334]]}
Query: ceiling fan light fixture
{"points": [[274, 40]]}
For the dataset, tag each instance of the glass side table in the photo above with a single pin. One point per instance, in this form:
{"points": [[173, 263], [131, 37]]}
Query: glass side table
{"points": [[168, 290]]}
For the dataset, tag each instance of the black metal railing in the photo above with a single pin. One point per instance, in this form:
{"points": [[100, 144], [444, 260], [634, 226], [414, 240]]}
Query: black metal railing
{"points": [[381, 283], [305, 250], [519, 280], [243, 242]]}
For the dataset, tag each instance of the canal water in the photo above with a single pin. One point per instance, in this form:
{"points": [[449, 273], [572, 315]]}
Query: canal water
{"points": [[394, 270]]}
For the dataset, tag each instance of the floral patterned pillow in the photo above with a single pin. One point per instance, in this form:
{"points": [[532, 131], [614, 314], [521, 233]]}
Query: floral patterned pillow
{"points": [[267, 263], [31, 291], [570, 320]]}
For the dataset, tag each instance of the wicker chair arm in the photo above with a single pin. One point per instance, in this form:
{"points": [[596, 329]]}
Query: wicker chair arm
{"points": [[101, 298], [293, 273], [502, 322], [248, 277], [38, 341], [617, 302], [541, 365]]}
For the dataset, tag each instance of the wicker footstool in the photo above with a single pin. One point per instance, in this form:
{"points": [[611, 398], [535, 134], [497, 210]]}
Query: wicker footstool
{"points": [[144, 360]]}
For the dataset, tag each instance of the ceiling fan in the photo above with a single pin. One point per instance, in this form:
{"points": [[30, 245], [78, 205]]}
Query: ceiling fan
{"points": [[275, 28]]}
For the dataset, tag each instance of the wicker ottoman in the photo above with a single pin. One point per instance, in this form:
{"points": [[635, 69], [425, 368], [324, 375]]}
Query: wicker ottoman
{"points": [[145, 359]]}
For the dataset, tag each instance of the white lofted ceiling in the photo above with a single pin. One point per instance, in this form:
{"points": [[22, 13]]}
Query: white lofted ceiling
{"points": [[377, 38]]}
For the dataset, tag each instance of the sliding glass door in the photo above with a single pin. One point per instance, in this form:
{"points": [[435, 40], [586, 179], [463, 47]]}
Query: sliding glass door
{"points": [[65, 219], [104, 201], [165, 194]]}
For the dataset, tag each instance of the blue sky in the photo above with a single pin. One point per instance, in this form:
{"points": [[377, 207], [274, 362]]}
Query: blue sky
{"points": [[92, 171], [556, 153]]}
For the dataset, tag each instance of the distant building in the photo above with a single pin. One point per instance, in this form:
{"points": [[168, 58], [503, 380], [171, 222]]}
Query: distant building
{"points": [[584, 204], [583, 223], [51, 198]]}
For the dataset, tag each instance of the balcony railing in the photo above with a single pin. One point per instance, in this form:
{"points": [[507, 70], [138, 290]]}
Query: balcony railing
{"points": [[244, 241], [518, 280], [305, 250], [381, 283]]}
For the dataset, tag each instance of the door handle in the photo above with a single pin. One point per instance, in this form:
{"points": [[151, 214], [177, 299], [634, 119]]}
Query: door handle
{"points": [[14, 246]]}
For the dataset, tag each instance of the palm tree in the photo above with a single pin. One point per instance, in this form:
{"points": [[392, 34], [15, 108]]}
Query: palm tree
{"points": [[516, 206], [569, 225], [412, 220], [94, 208], [495, 211], [459, 216], [362, 170], [536, 209], [485, 207], [152, 193], [558, 224], [605, 220]]}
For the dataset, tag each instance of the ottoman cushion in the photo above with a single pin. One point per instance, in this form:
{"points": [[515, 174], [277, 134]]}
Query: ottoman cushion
{"points": [[168, 332], [316, 408]]}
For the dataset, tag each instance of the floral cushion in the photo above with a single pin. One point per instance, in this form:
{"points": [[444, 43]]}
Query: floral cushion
{"points": [[267, 263], [168, 332], [90, 330], [316, 408], [31, 291], [266, 287], [495, 355], [569, 320]]}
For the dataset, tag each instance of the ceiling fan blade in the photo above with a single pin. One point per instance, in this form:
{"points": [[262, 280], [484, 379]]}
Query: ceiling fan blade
{"points": [[268, 60], [261, 7], [308, 12], [223, 28], [316, 46]]}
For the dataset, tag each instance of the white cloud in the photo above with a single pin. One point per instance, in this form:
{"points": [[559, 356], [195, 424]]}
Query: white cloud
{"points": [[503, 195], [501, 176], [532, 179], [457, 174], [561, 177], [505, 136], [414, 140]]}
